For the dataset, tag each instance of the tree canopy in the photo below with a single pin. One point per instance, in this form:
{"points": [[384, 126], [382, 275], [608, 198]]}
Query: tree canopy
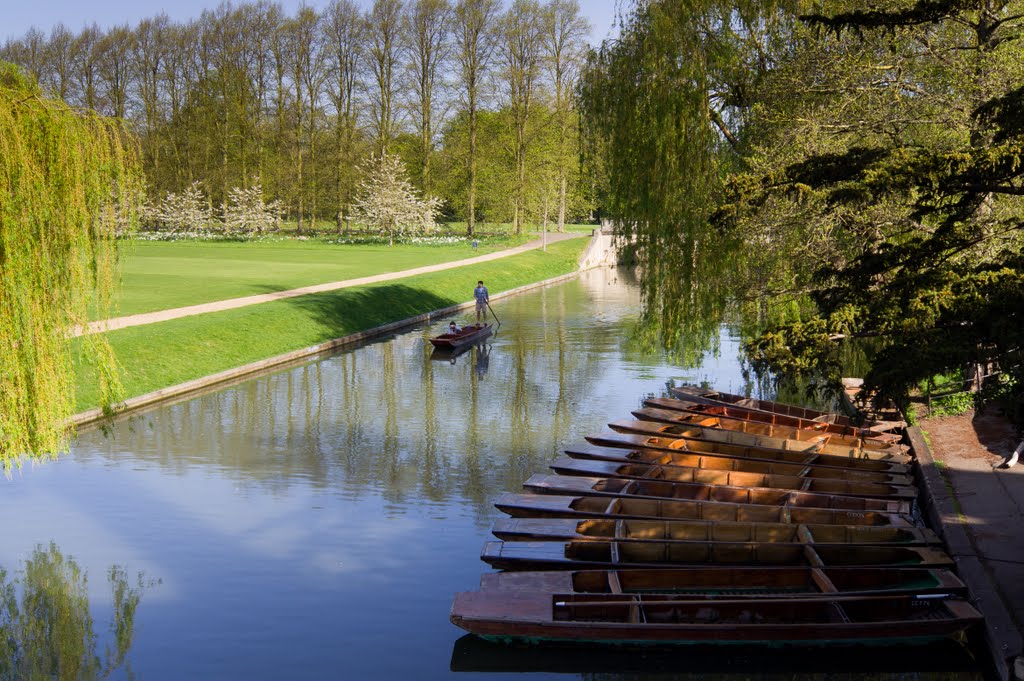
{"points": [[68, 182], [864, 178]]}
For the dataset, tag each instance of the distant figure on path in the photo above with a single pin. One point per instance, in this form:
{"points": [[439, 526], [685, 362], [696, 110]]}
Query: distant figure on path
{"points": [[482, 298]]}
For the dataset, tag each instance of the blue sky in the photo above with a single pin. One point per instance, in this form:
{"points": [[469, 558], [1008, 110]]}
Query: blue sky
{"points": [[20, 15]]}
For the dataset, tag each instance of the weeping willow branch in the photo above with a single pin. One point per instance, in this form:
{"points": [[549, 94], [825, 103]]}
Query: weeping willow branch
{"points": [[69, 181]]}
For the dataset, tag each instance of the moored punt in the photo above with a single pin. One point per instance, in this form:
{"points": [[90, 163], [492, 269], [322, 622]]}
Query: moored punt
{"points": [[650, 435], [716, 397], [718, 435], [714, 462], [683, 474], [768, 430], [659, 619], [658, 489], [624, 553], [467, 336], [744, 414], [615, 507], [566, 529], [733, 582]]}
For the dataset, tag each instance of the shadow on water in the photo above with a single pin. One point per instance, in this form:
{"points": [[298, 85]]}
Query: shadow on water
{"points": [[732, 663], [46, 626]]}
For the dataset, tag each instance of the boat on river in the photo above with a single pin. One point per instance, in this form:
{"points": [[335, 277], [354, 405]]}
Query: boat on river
{"points": [[683, 474], [519, 505], [733, 582], [758, 429], [744, 414], [660, 619], [570, 529], [620, 553], [646, 435], [468, 335], [661, 489], [713, 462], [695, 394], [709, 433]]}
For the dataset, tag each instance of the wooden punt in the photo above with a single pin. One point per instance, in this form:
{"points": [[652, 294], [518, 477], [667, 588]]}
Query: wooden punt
{"points": [[660, 489], [717, 397], [622, 553], [636, 619], [713, 462], [766, 430], [566, 529], [744, 414], [467, 336], [650, 471], [709, 433], [649, 435], [733, 582], [614, 507]]}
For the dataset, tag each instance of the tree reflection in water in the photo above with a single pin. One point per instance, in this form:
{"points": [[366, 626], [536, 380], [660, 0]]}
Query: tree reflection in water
{"points": [[47, 629]]}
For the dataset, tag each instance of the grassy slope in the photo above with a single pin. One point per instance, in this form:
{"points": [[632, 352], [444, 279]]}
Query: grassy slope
{"points": [[164, 275], [160, 355]]}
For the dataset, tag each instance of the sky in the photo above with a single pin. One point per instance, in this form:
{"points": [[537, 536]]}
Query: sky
{"points": [[17, 16]]}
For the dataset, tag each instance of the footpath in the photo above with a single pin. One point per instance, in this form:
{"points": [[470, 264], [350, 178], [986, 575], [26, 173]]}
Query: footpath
{"points": [[233, 303], [978, 507]]}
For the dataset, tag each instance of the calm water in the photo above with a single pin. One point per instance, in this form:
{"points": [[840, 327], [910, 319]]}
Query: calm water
{"points": [[315, 523]]}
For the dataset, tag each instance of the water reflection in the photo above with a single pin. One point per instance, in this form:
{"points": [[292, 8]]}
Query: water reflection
{"points": [[47, 627]]}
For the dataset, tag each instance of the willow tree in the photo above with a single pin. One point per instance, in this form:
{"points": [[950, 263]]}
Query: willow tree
{"points": [[68, 181], [664, 104]]}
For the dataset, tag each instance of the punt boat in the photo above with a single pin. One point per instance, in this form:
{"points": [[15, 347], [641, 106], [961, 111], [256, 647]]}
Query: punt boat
{"points": [[683, 474], [661, 489], [531, 529], [467, 336], [636, 619], [624, 506]]}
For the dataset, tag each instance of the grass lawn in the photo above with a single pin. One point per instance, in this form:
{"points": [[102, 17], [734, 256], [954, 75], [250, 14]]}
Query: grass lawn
{"points": [[160, 355], [163, 275]]}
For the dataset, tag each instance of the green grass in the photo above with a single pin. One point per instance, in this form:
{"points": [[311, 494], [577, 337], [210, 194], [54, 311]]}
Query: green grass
{"points": [[165, 275], [160, 355]]}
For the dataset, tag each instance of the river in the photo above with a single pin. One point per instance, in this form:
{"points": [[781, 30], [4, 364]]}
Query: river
{"points": [[315, 523]]}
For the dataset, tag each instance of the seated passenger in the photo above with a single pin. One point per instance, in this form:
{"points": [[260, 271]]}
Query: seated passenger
{"points": [[454, 328]]}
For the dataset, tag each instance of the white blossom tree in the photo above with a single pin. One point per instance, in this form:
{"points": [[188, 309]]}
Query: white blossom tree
{"points": [[247, 212], [180, 212], [388, 203]]}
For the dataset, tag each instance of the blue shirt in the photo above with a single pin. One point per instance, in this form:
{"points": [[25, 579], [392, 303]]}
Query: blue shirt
{"points": [[480, 293]]}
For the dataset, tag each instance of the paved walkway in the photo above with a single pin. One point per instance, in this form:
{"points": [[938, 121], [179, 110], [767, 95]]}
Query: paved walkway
{"points": [[986, 521], [233, 303]]}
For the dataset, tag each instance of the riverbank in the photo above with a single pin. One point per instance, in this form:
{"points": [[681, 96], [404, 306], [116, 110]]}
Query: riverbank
{"points": [[157, 356], [978, 508]]}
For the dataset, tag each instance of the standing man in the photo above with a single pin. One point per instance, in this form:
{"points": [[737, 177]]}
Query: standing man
{"points": [[482, 298]]}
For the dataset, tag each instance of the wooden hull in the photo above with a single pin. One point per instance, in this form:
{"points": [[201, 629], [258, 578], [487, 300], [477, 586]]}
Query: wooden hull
{"points": [[714, 462], [717, 435], [716, 397], [734, 582], [827, 442], [620, 554], [648, 435], [469, 335], [540, 616], [657, 489], [848, 433], [569, 529], [627, 507], [683, 474]]}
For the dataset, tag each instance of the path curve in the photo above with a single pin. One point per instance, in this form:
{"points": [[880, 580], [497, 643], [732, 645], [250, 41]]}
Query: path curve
{"points": [[233, 303]]}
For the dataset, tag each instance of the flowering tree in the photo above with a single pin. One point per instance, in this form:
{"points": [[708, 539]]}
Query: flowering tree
{"points": [[247, 212], [388, 203], [180, 212]]}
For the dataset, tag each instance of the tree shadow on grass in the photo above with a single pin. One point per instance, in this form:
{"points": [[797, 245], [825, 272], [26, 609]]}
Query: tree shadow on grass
{"points": [[357, 309]]}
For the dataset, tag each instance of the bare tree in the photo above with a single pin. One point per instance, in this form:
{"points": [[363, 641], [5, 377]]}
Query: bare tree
{"points": [[565, 42], [385, 46], [310, 72], [149, 50], [345, 34], [474, 25], [84, 57], [59, 57], [429, 29], [521, 48], [113, 62]]}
